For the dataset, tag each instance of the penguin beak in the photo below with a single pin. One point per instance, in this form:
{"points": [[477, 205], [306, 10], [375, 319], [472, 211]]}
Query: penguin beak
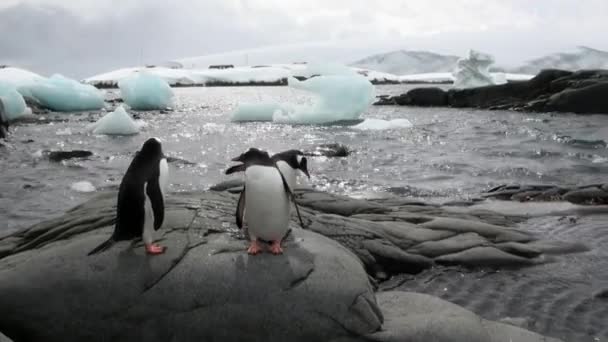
{"points": [[237, 159], [304, 167]]}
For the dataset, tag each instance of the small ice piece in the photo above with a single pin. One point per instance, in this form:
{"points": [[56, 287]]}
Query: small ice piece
{"points": [[257, 112], [62, 94], [378, 124], [117, 122], [14, 104], [145, 91], [83, 186], [474, 71]]}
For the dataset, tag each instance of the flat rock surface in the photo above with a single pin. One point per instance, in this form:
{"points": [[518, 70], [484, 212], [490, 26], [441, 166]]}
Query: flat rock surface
{"points": [[205, 287], [419, 317], [591, 194]]}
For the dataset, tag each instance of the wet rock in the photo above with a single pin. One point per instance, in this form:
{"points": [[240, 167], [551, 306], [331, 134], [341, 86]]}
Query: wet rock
{"points": [[124, 295], [345, 206], [233, 183], [419, 317], [587, 196], [333, 150], [483, 257], [58, 156], [179, 161], [489, 231], [519, 249], [450, 245], [558, 247], [425, 97], [550, 91]]}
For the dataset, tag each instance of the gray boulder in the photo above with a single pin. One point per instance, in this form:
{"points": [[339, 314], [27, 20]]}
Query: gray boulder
{"points": [[204, 288], [414, 317]]}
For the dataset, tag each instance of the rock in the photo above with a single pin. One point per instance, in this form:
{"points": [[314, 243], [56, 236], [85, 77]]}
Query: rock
{"points": [[558, 247], [419, 317], [58, 156], [587, 196], [179, 161], [330, 150], [551, 90], [483, 256], [204, 288], [520, 249], [394, 259], [489, 231], [345, 207], [450, 245], [424, 97], [233, 183], [586, 100]]}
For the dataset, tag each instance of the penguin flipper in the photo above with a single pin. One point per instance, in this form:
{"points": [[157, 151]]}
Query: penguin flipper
{"points": [[236, 168], [104, 246], [292, 196], [158, 204], [240, 209]]}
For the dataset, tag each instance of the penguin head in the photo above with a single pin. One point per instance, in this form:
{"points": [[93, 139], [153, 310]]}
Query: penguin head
{"points": [[303, 165], [152, 148], [252, 155]]}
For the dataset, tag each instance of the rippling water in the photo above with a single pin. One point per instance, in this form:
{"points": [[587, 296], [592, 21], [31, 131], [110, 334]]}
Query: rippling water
{"points": [[447, 154]]}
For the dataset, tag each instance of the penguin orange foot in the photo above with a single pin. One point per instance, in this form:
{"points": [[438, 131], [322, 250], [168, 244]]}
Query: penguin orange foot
{"points": [[254, 248], [275, 247], [155, 249]]}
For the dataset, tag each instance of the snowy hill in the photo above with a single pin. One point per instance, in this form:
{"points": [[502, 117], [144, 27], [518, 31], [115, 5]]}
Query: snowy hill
{"points": [[405, 62], [582, 58]]}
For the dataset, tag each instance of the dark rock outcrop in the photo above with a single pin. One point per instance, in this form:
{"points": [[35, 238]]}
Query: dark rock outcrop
{"points": [[205, 287], [58, 156], [593, 194], [551, 90], [333, 150]]}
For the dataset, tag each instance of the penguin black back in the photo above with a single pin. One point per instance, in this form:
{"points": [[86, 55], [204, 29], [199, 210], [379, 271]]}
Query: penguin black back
{"points": [[3, 121], [141, 179]]}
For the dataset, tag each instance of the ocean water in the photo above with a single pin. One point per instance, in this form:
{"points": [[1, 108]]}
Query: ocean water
{"points": [[447, 154]]}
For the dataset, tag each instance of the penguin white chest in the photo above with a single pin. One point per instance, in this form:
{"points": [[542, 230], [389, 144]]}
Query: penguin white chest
{"points": [[267, 203]]}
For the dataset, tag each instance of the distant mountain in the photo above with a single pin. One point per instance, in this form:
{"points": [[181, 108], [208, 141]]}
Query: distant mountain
{"points": [[582, 58], [404, 62]]}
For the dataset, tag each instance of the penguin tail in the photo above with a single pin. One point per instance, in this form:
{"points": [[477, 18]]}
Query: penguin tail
{"points": [[104, 246]]}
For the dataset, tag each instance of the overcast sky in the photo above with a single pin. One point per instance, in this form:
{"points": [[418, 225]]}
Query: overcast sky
{"points": [[83, 37]]}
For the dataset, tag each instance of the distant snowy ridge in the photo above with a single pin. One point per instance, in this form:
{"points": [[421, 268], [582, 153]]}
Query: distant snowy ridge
{"points": [[580, 58], [404, 62]]}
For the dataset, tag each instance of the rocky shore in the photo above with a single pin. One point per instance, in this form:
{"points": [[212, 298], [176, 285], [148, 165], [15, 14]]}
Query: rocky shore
{"points": [[207, 288], [582, 92]]}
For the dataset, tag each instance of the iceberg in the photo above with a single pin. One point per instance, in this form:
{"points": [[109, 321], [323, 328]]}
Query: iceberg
{"points": [[117, 122], [341, 96], [14, 104], [62, 94], [257, 112], [474, 71], [379, 124], [145, 91]]}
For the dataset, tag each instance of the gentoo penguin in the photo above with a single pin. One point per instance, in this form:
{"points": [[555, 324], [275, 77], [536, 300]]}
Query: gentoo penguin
{"points": [[3, 121], [288, 162], [267, 208], [140, 206]]}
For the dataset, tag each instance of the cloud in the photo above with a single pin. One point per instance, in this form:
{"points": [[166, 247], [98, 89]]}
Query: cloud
{"points": [[83, 37]]}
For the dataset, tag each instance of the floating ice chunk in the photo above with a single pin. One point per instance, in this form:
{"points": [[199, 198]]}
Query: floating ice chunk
{"points": [[83, 186], [144, 91], [257, 112], [62, 94], [378, 124], [14, 105], [117, 122], [342, 96], [474, 71]]}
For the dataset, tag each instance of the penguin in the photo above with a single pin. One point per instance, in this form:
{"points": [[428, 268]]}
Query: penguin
{"points": [[268, 208], [3, 121], [288, 162], [141, 205]]}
